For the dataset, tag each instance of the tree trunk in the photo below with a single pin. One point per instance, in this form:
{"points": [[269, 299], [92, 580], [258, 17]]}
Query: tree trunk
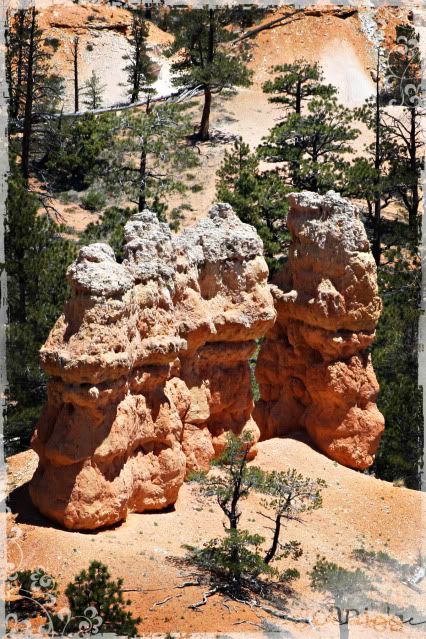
{"points": [[75, 59], [28, 114], [376, 245], [142, 180], [274, 546], [204, 133], [19, 64], [414, 208], [298, 108], [343, 623], [136, 76]]}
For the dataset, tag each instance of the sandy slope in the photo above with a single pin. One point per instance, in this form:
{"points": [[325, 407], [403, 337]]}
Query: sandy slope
{"points": [[357, 510]]}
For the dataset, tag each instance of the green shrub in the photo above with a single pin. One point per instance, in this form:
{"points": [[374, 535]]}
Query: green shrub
{"points": [[230, 559], [95, 589], [289, 575], [36, 590], [196, 476], [93, 200], [31, 580], [52, 42]]}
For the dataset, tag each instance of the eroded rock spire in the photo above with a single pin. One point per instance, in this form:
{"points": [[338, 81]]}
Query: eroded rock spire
{"points": [[314, 369]]}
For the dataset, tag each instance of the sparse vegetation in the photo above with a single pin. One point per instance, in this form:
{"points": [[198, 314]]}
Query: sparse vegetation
{"points": [[118, 164], [237, 562], [348, 588], [94, 200]]}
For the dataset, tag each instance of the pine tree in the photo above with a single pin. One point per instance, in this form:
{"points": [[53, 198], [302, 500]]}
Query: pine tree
{"points": [[93, 91], [287, 494], [139, 69], [258, 198], [310, 147], [15, 34], [407, 162], [95, 589], [391, 168], [149, 153], [403, 87], [36, 259], [74, 156], [75, 52], [35, 91], [378, 188], [205, 60], [395, 360], [296, 83]]}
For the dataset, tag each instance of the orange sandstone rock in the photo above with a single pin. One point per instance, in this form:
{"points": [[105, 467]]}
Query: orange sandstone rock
{"points": [[149, 367], [149, 363], [313, 369]]}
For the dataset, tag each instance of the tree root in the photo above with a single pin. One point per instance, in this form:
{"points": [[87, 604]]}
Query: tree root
{"points": [[203, 601], [283, 615], [143, 589], [251, 623], [161, 603], [186, 584]]}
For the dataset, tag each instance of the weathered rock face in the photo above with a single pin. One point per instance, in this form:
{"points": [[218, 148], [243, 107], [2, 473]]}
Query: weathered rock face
{"points": [[149, 367], [149, 364], [313, 370]]}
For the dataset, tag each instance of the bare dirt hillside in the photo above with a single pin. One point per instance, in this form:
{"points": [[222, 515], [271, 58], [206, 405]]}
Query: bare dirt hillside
{"points": [[358, 511], [103, 46]]}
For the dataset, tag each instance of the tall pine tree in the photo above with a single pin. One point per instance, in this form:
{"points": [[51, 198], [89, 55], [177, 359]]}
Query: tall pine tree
{"points": [[295, 83], [258, 198], [149, 154], [36, 260], [140, 70], [35, 91], [204, 59], [309, 148]]}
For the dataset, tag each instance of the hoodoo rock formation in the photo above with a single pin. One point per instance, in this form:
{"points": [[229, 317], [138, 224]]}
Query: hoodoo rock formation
{"points": [[149, 363], [314, 370], [149, 367]]}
